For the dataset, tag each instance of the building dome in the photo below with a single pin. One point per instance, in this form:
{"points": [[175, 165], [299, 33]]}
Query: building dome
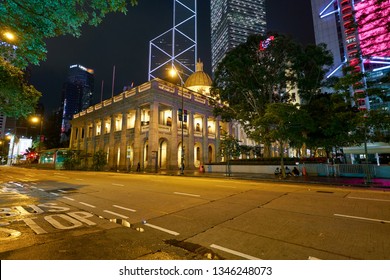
{"points": [[199, 81]]}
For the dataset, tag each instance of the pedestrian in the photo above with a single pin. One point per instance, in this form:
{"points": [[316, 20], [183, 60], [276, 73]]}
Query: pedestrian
{"points": [[138, 167], [295, 171]]}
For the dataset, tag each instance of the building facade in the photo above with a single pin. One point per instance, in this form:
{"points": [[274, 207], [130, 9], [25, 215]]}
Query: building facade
{"points": [[77, 95], [143, 126], [357, 34], [232, 21]]}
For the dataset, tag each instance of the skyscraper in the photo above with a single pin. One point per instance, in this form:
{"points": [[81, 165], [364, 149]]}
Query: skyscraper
{"points": [[357, 33], [76, 96], [232, 21]]}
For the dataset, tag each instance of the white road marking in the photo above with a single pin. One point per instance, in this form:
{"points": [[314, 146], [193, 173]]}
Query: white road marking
{"points": [[34, 183], [372, 199], [79, 179], [116, 214], [245, 256], [163, 229], [37, 229], [187, 194], [68, 198], [62, 191], [124, 208], [42, 190], [86, 204], [310, 258], [120, 185], [56, 194], [362, 218], [34, 188]]}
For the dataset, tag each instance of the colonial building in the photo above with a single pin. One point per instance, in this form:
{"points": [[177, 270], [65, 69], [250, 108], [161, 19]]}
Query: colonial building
{"points": [[143, 125]]}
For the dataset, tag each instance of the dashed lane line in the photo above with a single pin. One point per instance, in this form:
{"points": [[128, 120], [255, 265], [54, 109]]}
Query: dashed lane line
{"points": [[230, 251], [88, 205], [68, 198], [187, 194], [362, 218], [120, 185], [162, 229], [116, 214], [124, 208]]}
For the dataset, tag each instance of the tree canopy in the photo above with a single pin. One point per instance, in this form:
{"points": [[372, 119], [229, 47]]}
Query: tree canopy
{"points": [[249, 78]]}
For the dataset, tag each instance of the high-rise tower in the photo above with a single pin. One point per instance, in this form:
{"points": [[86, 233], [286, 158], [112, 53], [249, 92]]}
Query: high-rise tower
{"points": [[232, 21], [77, 94], [357, 33], [176, 47]]}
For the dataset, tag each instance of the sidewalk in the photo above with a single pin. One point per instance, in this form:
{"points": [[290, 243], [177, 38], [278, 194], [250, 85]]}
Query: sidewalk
{"points": [[341, 181]]}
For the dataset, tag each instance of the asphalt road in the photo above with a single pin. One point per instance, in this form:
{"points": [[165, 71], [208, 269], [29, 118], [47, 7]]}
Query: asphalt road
{"points": [[48, 214]]}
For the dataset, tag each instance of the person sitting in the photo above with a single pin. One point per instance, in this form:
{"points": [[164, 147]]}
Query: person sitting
{"points": [[288, 171], [295, 171], [277, 171]]}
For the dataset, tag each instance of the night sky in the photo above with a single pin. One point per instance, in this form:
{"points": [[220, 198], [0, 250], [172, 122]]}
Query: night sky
{"points": [[123, 41]]}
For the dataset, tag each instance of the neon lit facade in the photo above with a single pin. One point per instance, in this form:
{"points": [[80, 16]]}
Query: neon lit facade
{"points": [[177, 46], [373, 28], [357, 34], [232, 21]]}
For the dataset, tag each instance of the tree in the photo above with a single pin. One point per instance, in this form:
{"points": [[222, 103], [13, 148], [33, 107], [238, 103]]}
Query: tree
{"points": [[17, 98], [31, 23], [34, 21], [284, 123], [99, 160], [229, 148], [248, 79]]}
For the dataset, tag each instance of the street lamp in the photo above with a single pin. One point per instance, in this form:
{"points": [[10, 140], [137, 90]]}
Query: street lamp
{"points": [[9, 36], [38, 119], [173, 72]]}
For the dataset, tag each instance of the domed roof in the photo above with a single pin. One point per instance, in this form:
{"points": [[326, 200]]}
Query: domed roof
{"points": [[199, 78]]}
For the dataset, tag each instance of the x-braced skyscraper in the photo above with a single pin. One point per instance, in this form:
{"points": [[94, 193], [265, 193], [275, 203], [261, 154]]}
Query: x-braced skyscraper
{"points": [[232, 21], [177, 46]]}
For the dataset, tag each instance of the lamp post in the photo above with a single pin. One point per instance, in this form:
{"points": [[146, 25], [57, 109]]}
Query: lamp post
{"points": [[173, 73]]}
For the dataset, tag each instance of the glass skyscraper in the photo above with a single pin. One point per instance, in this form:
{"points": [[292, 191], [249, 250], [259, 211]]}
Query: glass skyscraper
{"points": [[232, 21], [77, 95]]}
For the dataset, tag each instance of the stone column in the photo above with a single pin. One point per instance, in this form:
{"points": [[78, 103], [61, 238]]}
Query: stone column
{"points": [[153, 138], [189, 142], [111, 143], [123, 163], [138, 142]]}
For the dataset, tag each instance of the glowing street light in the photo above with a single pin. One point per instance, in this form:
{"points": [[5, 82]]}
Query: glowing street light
{"points": [[9, 36], [38, 119]]}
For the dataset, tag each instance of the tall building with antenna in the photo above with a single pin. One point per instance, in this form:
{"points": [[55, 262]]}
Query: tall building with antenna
{"points": [[232, 21], [177, 46]]}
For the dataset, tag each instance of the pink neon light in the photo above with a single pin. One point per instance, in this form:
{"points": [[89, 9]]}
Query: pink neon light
{"points": [[373, 21]]}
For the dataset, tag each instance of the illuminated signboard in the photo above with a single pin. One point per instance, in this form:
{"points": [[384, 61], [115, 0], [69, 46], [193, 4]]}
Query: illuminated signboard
{"points": [[373, 23], [265, 43]]}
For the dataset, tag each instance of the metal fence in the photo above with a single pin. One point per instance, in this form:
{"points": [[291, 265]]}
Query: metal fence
{"points": [[341, 170]]}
